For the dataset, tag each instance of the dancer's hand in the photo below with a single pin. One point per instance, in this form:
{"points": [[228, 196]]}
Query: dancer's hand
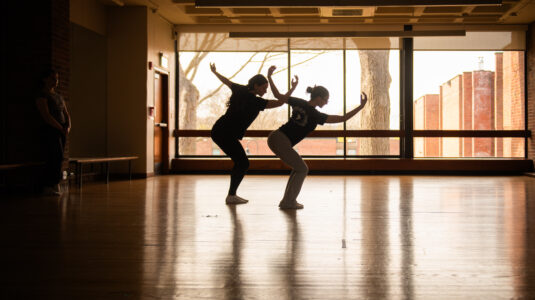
{"points": [[212, 67], [271, 70], [363, 99], [295, 81]]}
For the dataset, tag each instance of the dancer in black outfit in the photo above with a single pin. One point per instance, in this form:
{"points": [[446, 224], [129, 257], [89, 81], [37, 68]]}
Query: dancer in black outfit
{"points": [[305, 118], [228, 130]]}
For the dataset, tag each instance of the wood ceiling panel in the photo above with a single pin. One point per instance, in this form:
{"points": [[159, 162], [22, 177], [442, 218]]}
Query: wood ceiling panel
{"points": [[255, 11], [491, 9], [346, 20], [192, 10], [443, 10], [394, 10], [299, 11], [302, 20], [436, 20], [251, 11]]}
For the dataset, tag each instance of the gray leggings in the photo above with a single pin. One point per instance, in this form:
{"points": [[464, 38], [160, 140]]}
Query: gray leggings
{"points": [[279, 143]]}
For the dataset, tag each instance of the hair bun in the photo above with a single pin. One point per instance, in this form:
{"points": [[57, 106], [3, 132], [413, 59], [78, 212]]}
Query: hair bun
{"points": [[310, 89]]}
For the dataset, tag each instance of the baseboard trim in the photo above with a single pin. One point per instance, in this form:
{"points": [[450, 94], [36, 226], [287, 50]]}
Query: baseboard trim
{"points": [[438, 166]]}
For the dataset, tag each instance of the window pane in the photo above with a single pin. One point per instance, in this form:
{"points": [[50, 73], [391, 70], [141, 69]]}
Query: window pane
{"points": [[468, 147], [385, 84], [469, 90], [256, 146], [373, 146], [197, 146], [205, 146], [203, 98], [325, 68], [321, 146], [492, 40]]}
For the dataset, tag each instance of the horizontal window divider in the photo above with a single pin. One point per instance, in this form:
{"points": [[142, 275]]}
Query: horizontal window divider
{"points": [[317, 133], [472, 133], [216, 157], [376, 133]]}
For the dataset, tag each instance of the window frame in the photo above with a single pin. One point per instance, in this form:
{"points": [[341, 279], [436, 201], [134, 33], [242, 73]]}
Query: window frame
{"points": [[406, 134]]}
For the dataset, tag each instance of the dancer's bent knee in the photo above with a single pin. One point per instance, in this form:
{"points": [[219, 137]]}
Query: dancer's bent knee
{"points": [[241, 166]]}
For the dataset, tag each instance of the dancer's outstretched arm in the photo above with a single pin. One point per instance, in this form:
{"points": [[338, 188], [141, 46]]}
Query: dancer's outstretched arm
{"points": [[281, 98], [221, 77], [349, 115]]}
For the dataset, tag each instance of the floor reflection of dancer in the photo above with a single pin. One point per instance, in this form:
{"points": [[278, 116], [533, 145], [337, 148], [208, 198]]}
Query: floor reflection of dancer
{"points": [[305, 118], [293, 252], [228, 130], [232, 269]]}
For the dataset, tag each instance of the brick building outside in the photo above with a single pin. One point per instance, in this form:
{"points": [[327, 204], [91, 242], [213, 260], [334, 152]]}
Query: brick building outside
{"points": [[477, 100]]}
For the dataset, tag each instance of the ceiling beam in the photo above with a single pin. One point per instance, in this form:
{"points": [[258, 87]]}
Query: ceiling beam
{"points": [[310, 34], [513, 11], [331, 3]]}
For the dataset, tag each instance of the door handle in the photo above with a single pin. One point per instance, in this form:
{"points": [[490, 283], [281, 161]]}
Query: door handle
{"points": [[160, 124]]}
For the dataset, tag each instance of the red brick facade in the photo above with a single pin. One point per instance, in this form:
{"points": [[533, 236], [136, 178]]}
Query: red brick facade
{"points": [[498, 102], [467, 115], [478, 100], [427, 116], [513, 99], [483, 111]]}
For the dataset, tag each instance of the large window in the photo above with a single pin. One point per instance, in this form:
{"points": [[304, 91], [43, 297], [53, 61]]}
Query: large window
{"points": [[202, 97], [325, 68], [469, 90], [468, 94]]}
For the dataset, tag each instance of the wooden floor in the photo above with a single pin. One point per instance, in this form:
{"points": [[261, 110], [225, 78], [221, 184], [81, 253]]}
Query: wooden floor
{"points": [[358, 237]]}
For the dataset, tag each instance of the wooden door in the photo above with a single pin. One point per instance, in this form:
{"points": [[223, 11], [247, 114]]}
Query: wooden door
{"points": [[161, 132]]}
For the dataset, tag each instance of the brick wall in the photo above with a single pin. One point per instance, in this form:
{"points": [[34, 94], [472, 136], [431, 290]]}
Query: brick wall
{"points": [[419, 124], [467, 114], [34, 40], [498, 101], [28, 51], [451, 108], [60, 46], [427, 116], [60, 53], [513, 100], [483, 110], [531, 89]]}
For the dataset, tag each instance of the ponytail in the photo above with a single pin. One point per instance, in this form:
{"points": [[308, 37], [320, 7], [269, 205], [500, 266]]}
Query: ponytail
{"points": [[317, 91]]}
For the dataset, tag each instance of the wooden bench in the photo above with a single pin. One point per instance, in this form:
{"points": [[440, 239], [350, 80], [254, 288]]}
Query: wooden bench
{"points": [[5, 167], [79, 162]]}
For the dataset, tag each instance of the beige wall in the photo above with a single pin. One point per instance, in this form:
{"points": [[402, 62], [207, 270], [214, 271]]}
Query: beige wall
{"points": [[160, 39], [87, 90], [90, 14], [133, 36], [127, 84]]}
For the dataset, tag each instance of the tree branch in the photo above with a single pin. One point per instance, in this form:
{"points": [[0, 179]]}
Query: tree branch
{"points": [[230, 77]]}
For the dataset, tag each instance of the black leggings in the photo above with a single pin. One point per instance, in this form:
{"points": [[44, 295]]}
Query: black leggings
{"points": [[233, 148], [54, 146]]}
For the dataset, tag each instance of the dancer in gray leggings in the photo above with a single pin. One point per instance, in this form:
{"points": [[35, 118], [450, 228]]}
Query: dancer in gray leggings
{"points": [[305, 118]]}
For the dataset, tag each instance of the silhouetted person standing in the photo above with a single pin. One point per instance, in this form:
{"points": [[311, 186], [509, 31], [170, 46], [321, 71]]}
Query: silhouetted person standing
{"points": [[305, 117], [56, 127], [243, 108]]}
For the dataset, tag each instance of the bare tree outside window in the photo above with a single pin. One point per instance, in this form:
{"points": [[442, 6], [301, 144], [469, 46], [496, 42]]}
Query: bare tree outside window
{"points": [[203, 98]]}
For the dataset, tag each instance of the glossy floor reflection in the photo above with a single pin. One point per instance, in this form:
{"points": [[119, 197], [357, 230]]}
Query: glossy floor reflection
{"points": [[359, 237]]}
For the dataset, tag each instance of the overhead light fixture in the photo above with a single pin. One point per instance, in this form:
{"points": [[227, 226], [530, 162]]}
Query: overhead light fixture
{"points": [[333, 3], [323, 34]]}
